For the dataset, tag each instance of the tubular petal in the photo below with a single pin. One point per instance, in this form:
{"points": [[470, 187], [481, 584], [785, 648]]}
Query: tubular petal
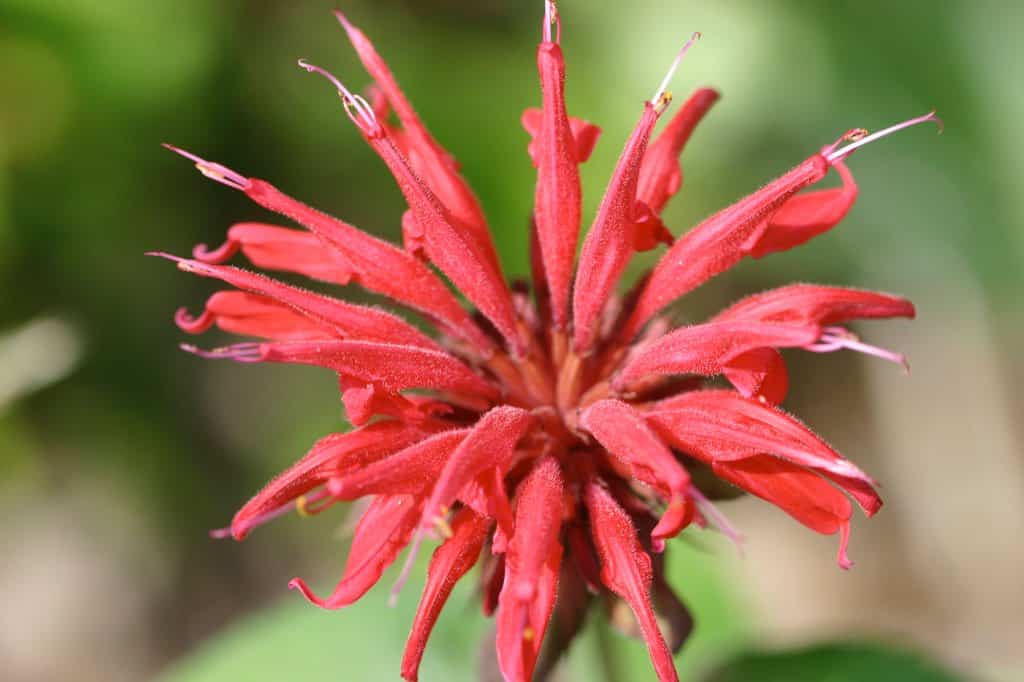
{"points": [[721, 425], [802, 494], [410, 471], [804, 217], [760, 373], [270, 247], [382, 533], [490, 444], [625, 435], [558, 193], [538, 520], [455, 253], [449, 563], [706, 348], [661, 175], [341, 318], [393, 366], [610, 242], [332, 455], [715, 245], [585, 134], [430, 161], [378, 265], [802, 304], [239, 312], [626, 570]]}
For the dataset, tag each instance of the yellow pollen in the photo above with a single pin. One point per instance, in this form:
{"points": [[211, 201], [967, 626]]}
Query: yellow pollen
{"points": [[442, 525], [300, 506], [528, 634]]}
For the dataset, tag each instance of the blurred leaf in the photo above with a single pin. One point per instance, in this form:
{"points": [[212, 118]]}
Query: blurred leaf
{"points": [[294, 640], [833, 662]]}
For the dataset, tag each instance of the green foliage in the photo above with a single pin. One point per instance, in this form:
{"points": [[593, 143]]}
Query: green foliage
{"points": [[833, 662]]}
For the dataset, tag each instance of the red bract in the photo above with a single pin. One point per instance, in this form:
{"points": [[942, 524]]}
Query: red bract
{"points": [[547, 438]]}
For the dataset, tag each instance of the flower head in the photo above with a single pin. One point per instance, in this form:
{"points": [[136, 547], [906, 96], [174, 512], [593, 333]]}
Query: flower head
{"points": [[547, 434]]}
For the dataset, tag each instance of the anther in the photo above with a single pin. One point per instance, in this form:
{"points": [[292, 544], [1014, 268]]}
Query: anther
{"points": [[214, 171], [662, 97], [357, 108], [837, 338], [551, 18], [833, 155]]}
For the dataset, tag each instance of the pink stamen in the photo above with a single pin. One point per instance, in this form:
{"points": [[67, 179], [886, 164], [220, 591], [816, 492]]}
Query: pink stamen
{"points": [[661, 97], [266, 517], [713, 514], [214, 171], [551, 17], [357, 108], [403, 576], [837, 338], [240, 352], [839, 154]]}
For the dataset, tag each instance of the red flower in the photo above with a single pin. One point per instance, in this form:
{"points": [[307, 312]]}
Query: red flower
{"points": [[547, 437]]}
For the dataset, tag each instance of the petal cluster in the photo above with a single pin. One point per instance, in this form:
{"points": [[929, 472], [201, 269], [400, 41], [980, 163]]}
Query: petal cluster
{"points": [[546, 433]]}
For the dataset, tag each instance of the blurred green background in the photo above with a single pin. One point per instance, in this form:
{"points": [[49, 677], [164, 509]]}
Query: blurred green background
{"points": [[118, 452]]}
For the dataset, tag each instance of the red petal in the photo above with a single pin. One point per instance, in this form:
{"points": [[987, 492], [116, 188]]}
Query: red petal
{"points": [[648, 230], [383, 531], [715, 245], [585, 134], [344, 319], [625, 435], [760, 373], [457, 254], [626, 570], [557, 199], [802, 494], [429, 160], [609, 244], [490, 445], [721, 425], [239, 312], [408, 472], [332, 455], [815, 304], [450, 562], [394, 367], [661, 175], [538, 520], [805, 216], [378, 265], [706, 348], [521, 625], [278, 248], [364, 401]]}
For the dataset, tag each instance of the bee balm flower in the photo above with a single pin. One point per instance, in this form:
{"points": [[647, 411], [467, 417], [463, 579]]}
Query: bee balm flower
{"points": [[546, 435]]}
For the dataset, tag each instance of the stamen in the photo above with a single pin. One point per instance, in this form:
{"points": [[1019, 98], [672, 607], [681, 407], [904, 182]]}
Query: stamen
{"points": [[713, 514], [240, 352], [265, 517], [403, 577], [839, 154], [661, 97], [837, 338], [842, 558], [849, 136], [357, 108], [214, 171], [551, 17]]}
